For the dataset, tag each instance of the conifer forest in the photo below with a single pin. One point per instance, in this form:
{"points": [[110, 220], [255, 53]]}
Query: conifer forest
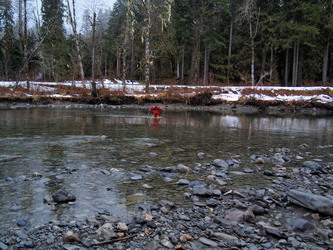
{"points": [[188, 42]]}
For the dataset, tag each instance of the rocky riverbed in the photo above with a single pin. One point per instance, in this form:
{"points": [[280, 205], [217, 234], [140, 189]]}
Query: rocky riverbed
{"points": [[293, 211]]}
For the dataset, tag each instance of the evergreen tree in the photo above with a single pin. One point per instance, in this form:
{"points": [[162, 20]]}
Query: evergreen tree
{"points": [[55, 50], [11, 56]]}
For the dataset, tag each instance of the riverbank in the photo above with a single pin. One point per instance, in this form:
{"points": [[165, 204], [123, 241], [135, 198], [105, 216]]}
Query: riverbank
{"points": [[228, 99]]}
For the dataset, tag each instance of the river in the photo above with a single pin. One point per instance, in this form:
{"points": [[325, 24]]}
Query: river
{"points": [[111, 159]]}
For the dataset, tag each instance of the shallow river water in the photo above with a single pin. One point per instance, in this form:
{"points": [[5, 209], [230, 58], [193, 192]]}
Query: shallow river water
{"points": [[96, 154]]}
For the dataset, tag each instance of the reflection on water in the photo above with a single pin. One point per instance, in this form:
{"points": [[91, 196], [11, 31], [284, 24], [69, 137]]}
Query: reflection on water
{"points": [[92, 154]]}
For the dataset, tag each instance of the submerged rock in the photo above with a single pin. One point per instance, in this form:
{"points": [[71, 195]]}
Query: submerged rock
{"points": [[63, 196], [15, 207]]}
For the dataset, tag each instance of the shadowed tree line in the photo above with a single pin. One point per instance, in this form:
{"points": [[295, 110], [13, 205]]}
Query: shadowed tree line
{"points": [[201, 42]]}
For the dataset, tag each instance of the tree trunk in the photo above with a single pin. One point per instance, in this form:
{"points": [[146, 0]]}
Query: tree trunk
{"points": [[192, 70], [195, 63], [125, 44], [286, 68], [300, 66], [72, 19], [263, 60], [271, 65], [124, 62], [230, 50], [132, 70], [325, 62], [93, 38], [206, 66], [118, 63], [295, 64], [182, 67], [197, 58], [25, 44], [178, 66], [252, 54], [147, 45]]}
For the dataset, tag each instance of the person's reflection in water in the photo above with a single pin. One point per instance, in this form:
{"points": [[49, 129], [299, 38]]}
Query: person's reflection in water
{"points": [[156, 123]]}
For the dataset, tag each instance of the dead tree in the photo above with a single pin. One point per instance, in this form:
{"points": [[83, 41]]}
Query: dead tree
{"points": [[72, 20]]}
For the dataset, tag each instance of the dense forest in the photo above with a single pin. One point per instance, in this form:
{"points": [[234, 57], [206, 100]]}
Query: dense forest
{"points": [[201, 42]]}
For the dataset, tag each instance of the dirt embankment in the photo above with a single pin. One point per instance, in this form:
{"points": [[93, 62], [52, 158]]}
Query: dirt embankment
{"points": [[238, 107], [174, 98]]}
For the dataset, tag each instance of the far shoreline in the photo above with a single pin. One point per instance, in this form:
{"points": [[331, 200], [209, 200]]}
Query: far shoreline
{"points": [[250, 107]]}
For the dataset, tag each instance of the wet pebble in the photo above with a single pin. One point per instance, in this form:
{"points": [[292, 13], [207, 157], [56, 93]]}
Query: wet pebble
{"points": [[208, 242], [21, 223], [222, 164], [183, 182], [136, 177]]}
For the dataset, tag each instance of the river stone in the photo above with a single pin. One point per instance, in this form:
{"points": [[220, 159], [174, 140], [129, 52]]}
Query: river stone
{"points": [[231, 240], [258, 210], [235, 215], [63, 196], [122, 226], [221, 164], [21, 223], [259, 160], [312, 165], [105, 172], [278, 158], [198, 183], [231, 162], [300, 225], [200, 191], [208, 242], [183, 169], [10, 179], [167, 244], [106, 232], [184, 217], [183, 182], [225, 237], [3, 246], [169, 175], [276, 232], [136, 177], [153, 245], [311, 201], [22, 235], [15, 207], [212, 203], [201, 154]]}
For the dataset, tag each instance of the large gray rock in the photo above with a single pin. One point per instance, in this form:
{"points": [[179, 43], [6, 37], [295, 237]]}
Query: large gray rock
{"points": [[63, 196], [311, 201]]}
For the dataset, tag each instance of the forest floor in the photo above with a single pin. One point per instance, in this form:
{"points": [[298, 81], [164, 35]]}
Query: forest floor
{"points": [[113, 92]]}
